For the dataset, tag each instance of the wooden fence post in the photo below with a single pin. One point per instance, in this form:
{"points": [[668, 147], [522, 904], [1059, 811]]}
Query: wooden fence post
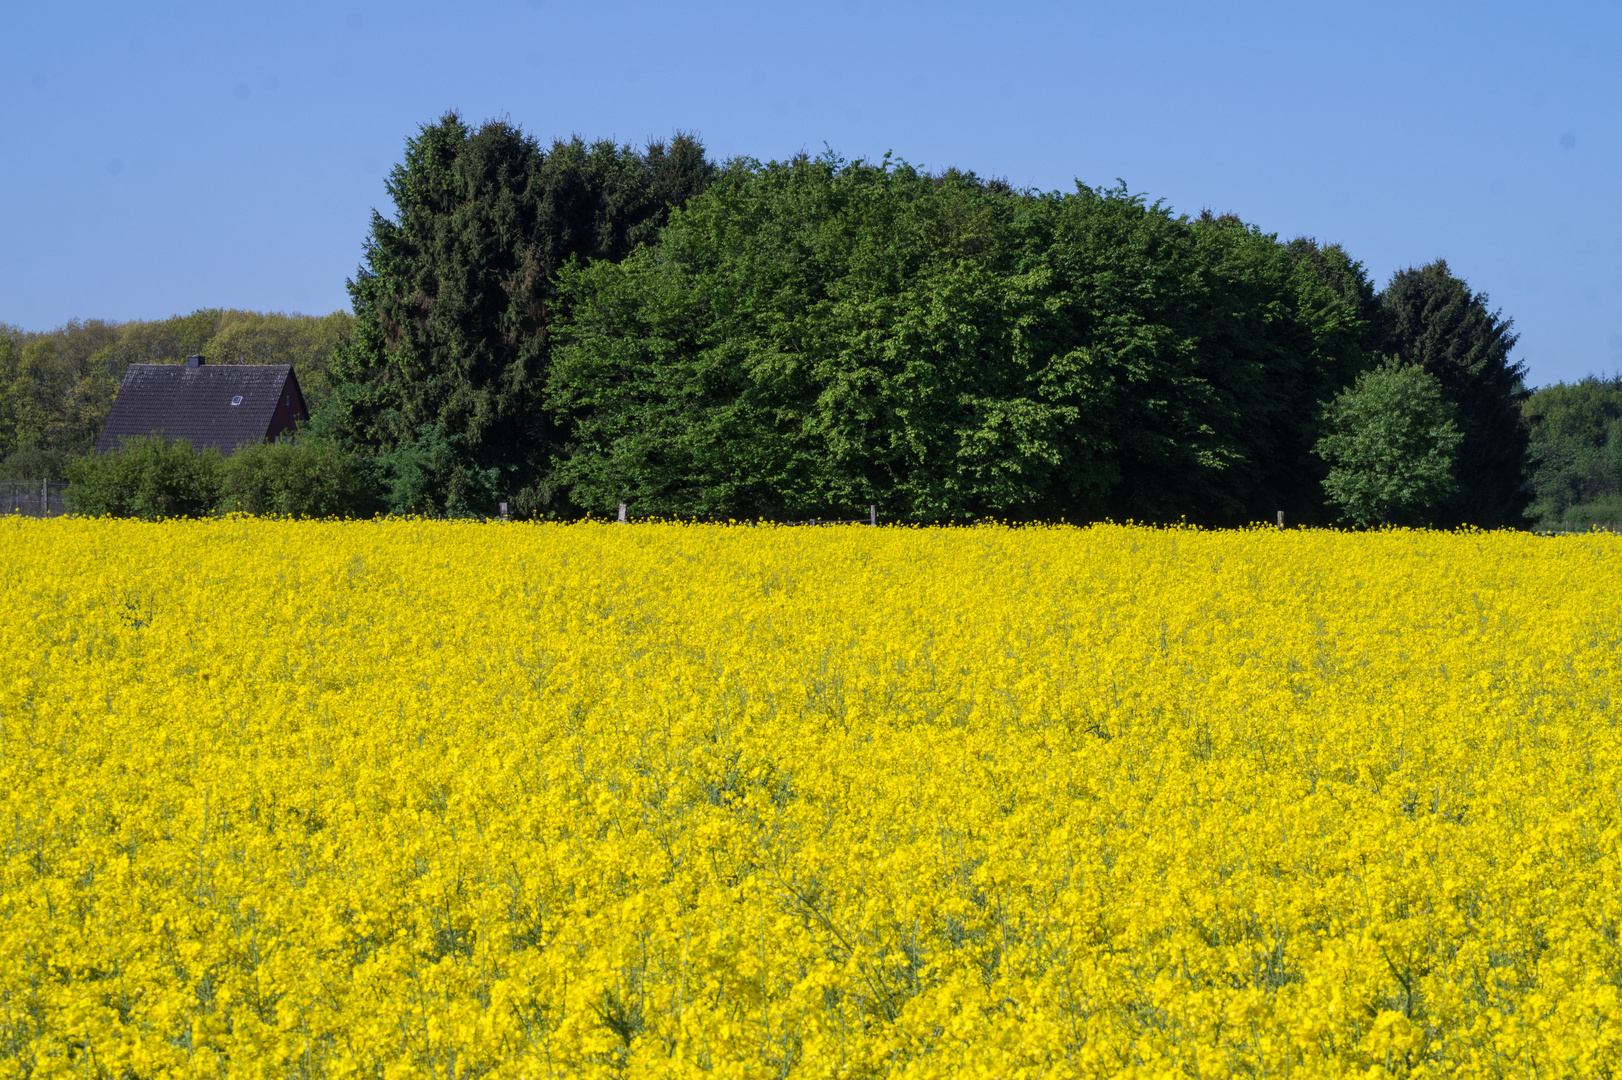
{"points": [[873, 515], [1281, 519], [622, 512]]}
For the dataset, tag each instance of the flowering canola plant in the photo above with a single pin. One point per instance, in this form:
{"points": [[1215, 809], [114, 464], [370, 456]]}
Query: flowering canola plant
{"points": [[413, 798]]}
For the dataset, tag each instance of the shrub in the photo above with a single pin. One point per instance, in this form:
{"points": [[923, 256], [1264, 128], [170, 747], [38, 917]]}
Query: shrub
{"points": [[309, 477], [149, 478], [34, 463], [1604, 512]]}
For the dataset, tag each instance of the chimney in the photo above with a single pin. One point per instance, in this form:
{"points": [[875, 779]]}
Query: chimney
{"points": [[194, 361]]}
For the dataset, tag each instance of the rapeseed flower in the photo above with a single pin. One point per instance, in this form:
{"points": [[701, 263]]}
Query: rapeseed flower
{"points": [[414, 798]]}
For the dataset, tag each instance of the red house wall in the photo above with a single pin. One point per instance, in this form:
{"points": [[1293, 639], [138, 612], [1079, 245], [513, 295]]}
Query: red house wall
{"points": [[289, 410]]}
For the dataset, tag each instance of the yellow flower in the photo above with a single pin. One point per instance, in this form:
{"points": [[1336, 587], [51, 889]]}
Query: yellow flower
{"points": [[423, 798]]}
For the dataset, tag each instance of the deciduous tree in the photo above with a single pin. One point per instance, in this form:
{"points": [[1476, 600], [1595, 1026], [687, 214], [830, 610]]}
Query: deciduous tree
{"points": [[1575, 432], [1392, 445], [813, 336]]}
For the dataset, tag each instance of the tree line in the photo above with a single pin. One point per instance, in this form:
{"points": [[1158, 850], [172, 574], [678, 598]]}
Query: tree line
{"points": [[566, 328], [1575, 457]]}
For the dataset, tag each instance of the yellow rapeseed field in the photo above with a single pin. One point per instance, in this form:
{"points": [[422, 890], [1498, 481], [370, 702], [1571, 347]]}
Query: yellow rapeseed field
{"points": [[432, 799]]}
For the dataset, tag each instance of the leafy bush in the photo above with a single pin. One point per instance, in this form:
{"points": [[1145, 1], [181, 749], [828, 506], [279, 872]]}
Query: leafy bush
{"points": [[1604, 512], [433, 474], [149, 478], [309, 477], [153, 478], [34, 463]]}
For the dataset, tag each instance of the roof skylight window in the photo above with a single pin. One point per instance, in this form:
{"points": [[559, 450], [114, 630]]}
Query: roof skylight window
{"points": [[237, 400]]}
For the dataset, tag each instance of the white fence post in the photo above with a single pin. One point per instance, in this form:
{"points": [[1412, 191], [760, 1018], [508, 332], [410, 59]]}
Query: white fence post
{"points": [[622, 512], [873, 515]]}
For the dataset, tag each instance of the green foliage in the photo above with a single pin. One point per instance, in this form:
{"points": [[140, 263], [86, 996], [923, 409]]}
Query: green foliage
{"points": [[171, 340], [34, 463], [1392, 445], [153, 478], [56, 388], [570, 327], [148, 478], [8, 373], [1347, 279], [1433, 320], [1576, 451], [813, 336], [806, 340], [307, 477], [445, 372], [429, 474], [1604, 512], [1278, 329]]}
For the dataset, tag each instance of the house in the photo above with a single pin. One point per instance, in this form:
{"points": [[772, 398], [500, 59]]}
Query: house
{"points": [[222, 406]]}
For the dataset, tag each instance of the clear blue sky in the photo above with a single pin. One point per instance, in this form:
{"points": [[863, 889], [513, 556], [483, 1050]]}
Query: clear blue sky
{"points": [[165, 157]]}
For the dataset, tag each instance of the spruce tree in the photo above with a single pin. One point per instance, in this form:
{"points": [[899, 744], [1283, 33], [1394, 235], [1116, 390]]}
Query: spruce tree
{"points": [[443, 375], [1433, 321]]}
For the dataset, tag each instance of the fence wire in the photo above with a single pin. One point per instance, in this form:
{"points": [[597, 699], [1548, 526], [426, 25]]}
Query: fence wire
{"points": [[33, 498]]}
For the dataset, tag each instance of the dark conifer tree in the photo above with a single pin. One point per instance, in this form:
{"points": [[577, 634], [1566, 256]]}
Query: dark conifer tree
{"points": [[1432, 319], [444, 373]]}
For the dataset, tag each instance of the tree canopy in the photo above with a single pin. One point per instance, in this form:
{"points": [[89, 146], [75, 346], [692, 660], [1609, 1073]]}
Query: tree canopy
{"points": [[814, 336], [1576, 453]]}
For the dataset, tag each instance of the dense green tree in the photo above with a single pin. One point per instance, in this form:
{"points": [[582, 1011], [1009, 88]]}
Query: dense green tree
{"points": [[1348, 279], [1433, 320], [1281, 329], [456, 295], [1576, 452], [1392, 447], [807, 339], [34, 463], [8, 373], [59, 386], [813, 336], [167, 341]]}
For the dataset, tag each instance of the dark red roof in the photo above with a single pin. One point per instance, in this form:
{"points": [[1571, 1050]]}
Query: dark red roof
{"points": [[196, 403]]}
